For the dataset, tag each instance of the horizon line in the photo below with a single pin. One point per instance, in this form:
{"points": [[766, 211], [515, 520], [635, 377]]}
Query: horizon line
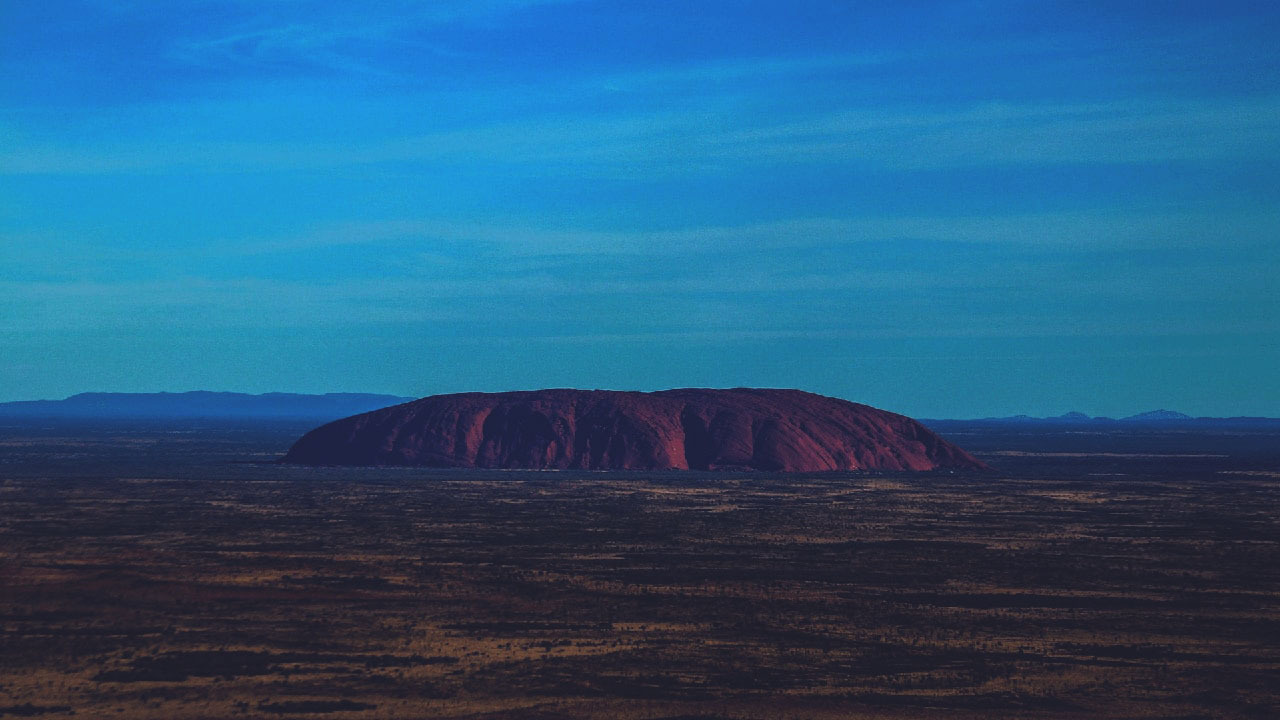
{"points": [[411, 397]]}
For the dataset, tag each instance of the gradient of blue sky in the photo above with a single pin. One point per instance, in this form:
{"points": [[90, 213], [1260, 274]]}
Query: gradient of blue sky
{"points": [[943, 208]]}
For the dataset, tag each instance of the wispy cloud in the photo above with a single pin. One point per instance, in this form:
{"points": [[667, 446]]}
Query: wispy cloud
{"points": [[1080, 230], [894, 303], [805, 277], [682, 142], [741, 68], [333, 36], [1111, 132]]}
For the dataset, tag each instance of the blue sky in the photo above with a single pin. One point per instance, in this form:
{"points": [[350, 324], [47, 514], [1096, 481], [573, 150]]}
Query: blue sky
{"points": [[945, 209]]}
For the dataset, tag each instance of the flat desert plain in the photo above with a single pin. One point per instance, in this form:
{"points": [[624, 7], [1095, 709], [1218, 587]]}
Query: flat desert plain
{"points": [[177, 572]]}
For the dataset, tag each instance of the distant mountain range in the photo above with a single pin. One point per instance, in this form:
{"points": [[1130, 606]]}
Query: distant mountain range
{"points": [[202, 405], [1152, 417], [1079, 417]]}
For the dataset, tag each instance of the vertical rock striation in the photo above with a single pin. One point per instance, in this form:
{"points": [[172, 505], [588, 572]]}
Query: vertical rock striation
{"points": [[699, 429]]}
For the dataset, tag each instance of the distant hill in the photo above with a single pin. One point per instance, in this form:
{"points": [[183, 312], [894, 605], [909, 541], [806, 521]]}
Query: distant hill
{"points": [[1158, 416], [1161, 418], [201, 404]]}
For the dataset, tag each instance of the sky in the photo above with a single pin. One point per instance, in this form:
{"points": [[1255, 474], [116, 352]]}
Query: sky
{"points": [[945, 209]]}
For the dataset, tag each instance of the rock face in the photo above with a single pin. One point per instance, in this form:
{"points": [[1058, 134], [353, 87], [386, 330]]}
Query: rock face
{"points": [[743, 428]]}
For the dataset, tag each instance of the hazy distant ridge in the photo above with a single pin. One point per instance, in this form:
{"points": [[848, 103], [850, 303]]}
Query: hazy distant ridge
{"points": [[1164, 418], [202, 404]]}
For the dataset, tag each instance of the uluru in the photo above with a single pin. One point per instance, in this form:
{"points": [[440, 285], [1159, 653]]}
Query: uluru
{"points": [[685, 429]]}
